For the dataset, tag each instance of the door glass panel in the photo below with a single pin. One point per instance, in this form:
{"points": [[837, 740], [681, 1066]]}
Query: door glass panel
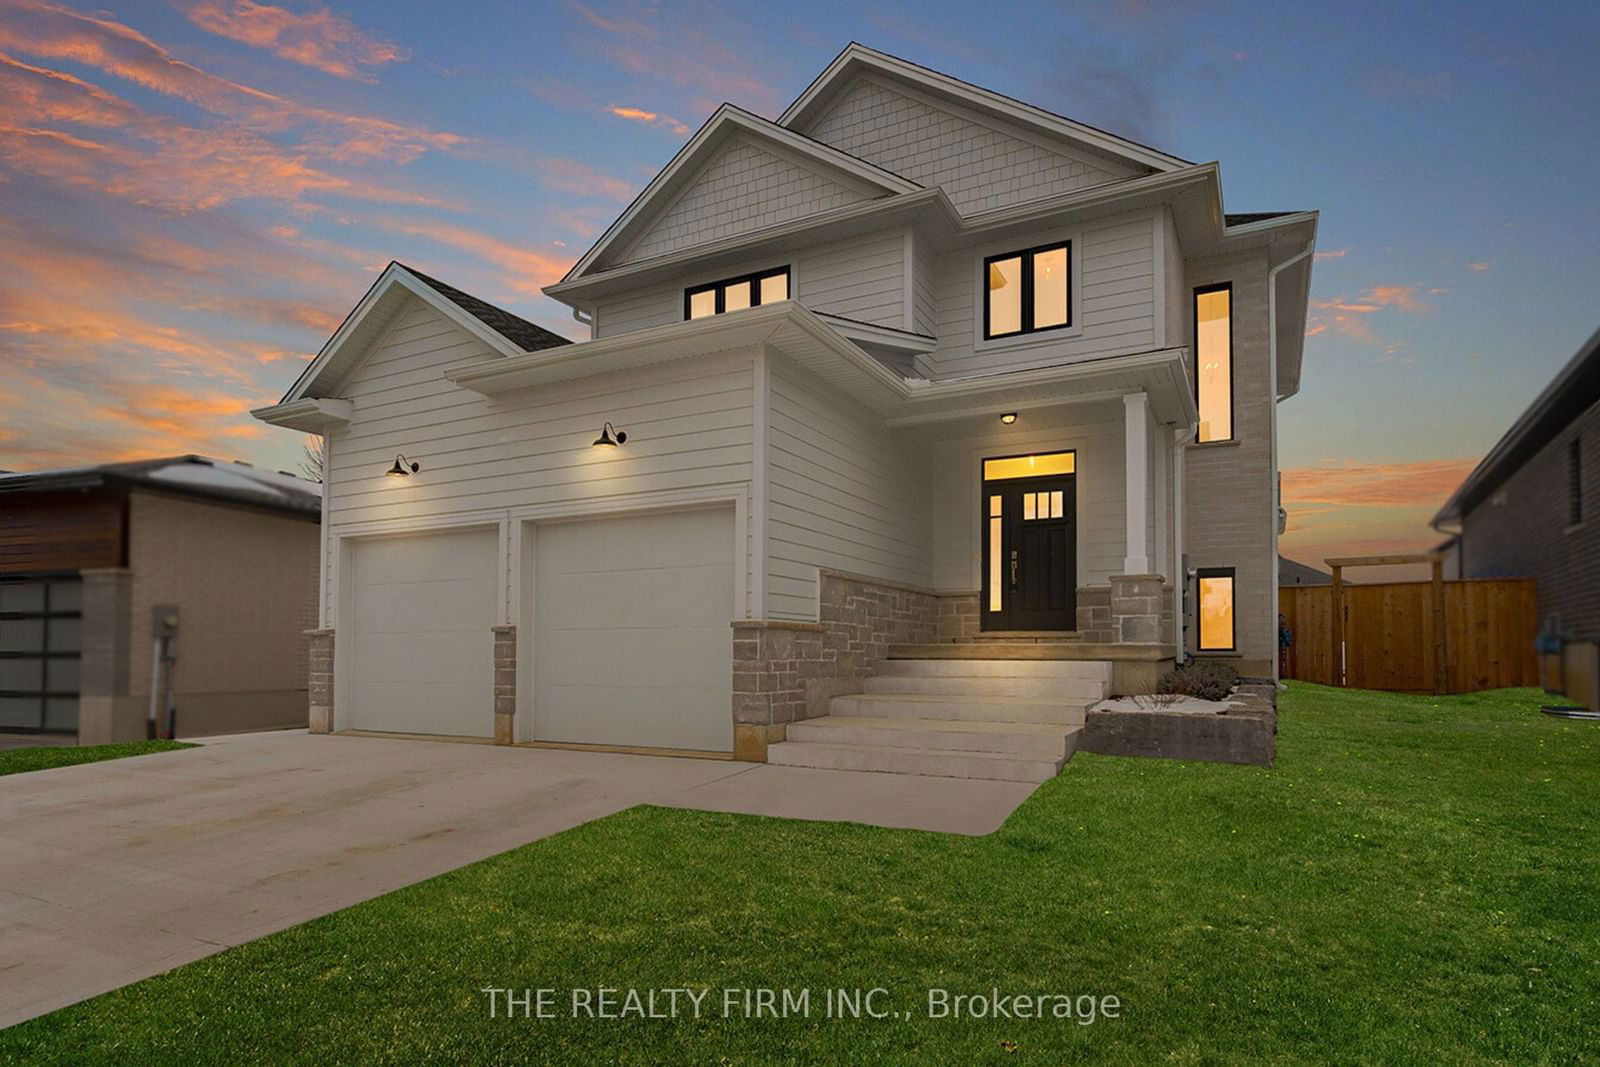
{"points": [[996, 549], [1027, 505], [1029, 466], [1005, 296], [1050, 288], [1057, 503], [736, 297], [775, 287], [702, 303]]}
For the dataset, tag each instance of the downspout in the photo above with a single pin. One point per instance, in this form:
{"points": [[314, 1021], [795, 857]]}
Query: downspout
{"points": [[1277, 483], [579, 314], [1180, 443]]}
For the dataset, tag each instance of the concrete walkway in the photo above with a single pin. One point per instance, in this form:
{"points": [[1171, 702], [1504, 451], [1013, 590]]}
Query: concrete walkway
{"points": [[116, 871]]}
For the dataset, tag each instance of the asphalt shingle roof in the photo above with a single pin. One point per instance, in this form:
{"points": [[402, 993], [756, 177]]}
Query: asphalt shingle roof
{"points": [[514, 328]]}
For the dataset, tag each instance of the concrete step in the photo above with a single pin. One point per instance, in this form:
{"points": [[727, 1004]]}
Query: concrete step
{"points": [[1044, 688], [1037, 741], [997, 668], [965, 709], [1022, 650], [936, 762]]}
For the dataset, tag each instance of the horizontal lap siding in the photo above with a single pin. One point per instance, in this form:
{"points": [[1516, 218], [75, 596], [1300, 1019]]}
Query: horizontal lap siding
{"points": [[862, 278], [1116, 259], [688, 424], [1094, 431], [843, 494]]}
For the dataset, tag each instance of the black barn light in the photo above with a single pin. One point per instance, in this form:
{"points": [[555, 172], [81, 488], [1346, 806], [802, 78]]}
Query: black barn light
{"points": [[606, 438], [403, 467]]}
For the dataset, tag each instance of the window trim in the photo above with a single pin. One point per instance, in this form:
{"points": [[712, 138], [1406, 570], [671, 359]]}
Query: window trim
{"points": [[1026, 310], [1202, 573], [720, 287], [1194, 316]]}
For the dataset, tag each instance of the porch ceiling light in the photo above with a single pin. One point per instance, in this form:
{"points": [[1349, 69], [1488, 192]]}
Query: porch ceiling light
{"points": [[1009, 417], [606, 438], [403, 467]]}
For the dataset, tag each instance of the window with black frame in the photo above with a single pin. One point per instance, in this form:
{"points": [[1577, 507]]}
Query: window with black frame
{"points": [[736, 294], [1027, 292]]}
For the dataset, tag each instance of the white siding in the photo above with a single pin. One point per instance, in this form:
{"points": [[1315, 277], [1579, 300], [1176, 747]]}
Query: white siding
{"points": [[1113, 259], [843, 493], [861, 278], [743, 187], [982, 163], [1176, 296], [689, 425], [1093, 430], [924, 263]]}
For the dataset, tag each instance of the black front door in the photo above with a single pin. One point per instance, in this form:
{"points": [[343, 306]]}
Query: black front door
{"points": [[1030, 551]]}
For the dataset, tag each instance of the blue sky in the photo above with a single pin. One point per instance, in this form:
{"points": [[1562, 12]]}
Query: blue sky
{"points": [[196, 192]]}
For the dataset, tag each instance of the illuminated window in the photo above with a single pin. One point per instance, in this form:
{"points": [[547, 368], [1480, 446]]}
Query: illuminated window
{"points": [[736, 294], [1213, 354], [996, 548], [1036, 466], [1216, 610], [1027, 291]]}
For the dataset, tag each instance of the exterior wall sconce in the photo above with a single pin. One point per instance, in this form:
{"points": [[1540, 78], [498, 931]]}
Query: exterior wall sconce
{"points": [[1009, 417], [403, 467], [606, 440]]}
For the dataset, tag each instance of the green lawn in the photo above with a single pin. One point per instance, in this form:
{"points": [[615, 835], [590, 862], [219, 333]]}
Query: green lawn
{"points": [[1416, 880], [17, 760]]}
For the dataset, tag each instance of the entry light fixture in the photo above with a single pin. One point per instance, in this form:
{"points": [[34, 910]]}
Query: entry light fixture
{"points": [[403, 467], [1009, 417], [610, 437]]}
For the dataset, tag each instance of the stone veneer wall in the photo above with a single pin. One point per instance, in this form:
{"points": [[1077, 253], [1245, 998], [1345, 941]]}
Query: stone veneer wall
{"points": [[505, 683], [320, 660], [784, 671]]}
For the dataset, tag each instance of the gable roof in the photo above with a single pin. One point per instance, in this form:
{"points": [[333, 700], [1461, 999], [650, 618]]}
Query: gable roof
{"points": [[1573, 391], [508, 334], [857, 58], [1293, 572], [187, 475], [727, 121]]}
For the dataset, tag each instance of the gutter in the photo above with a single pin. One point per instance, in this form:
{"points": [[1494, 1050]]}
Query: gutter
{"points": [[1272, 373]]}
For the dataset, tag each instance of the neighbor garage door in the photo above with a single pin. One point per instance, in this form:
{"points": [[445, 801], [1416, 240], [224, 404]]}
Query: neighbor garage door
{"points": [[421, 656], [632, 644]]}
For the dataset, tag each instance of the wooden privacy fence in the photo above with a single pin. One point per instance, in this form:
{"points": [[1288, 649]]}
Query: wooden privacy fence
{"points": [[1389, 635]]}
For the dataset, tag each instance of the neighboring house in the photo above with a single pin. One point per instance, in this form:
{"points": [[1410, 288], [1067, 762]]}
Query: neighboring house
{"points": [[916, 370], [1531, 508], [86, 553], [1292, 572]]}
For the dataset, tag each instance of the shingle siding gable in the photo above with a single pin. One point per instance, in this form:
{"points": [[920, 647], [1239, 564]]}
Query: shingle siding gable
{"points": [[981, 166], [743, 188]]}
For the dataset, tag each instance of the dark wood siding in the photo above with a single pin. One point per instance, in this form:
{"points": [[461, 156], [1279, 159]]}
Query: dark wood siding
{"points": [[61, 531]]}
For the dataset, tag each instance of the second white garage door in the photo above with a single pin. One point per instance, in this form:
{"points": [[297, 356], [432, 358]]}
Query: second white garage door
{"points": [[422, 651], [632, 644]]}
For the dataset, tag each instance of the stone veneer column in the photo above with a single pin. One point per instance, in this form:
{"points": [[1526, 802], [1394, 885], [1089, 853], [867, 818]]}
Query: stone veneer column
{"points": [[1136, 602], [320, 680], [103, 673], [505, 684]]}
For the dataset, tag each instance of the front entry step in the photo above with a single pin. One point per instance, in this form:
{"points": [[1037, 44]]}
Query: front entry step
{"points": [[1007, 738], [942, 763], [964, 708]]}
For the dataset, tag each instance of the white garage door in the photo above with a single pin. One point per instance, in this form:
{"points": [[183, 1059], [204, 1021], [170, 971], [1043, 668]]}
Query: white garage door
{"points": [[632, 644], [422, 654]]}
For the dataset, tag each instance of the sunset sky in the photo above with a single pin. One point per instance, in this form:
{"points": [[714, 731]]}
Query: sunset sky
{"points": [[195, 193]]}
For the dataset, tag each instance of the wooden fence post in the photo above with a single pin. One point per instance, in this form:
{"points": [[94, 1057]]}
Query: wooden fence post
{"points": [[1439, 645], [1336, 668]]}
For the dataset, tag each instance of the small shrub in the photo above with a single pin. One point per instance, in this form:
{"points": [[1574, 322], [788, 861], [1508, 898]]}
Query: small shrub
{"points": [[1206, 679]]}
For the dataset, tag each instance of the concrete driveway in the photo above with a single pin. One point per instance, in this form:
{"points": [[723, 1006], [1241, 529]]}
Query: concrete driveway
{"points": [[112, 872]]}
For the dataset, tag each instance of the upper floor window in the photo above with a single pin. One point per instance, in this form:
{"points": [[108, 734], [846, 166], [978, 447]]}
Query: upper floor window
{"points": [[735, 294], [1213, 361], [1574, 481], [1027, 291]]}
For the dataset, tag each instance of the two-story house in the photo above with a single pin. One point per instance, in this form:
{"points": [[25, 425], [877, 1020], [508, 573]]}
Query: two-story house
{"points": [[961, 413]]}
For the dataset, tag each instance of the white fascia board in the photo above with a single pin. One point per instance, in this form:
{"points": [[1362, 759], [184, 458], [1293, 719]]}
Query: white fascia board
{"points": [[309, 414], [872, 333], [857, 56], [722, 122], [394, 276]]}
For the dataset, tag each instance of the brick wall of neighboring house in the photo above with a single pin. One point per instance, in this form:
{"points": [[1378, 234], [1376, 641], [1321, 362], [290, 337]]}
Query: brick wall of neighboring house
{"points": [[784, 671], [245, 583], [1522, 531], [1229, 487]]}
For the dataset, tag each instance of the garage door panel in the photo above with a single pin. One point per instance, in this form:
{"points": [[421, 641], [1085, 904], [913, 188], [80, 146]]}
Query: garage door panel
{"points": [[422, 652], [426, 606], [631, 635], [457, 657], [637, 657], [669, 718]]}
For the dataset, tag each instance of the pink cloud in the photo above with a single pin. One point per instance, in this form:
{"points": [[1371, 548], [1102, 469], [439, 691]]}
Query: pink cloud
{"points": [[317, 39], [650, 118], [1478, 267]]}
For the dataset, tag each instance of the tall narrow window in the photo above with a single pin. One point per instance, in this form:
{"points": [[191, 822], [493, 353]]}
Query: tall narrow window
{"points": [[736, 294], [1216, 610], [1213, 361], [1575, 481], [1027, 291], [996, 549]]}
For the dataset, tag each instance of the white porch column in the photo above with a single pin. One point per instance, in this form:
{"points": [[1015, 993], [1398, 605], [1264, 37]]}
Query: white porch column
{"points": [[1136, 436]]}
